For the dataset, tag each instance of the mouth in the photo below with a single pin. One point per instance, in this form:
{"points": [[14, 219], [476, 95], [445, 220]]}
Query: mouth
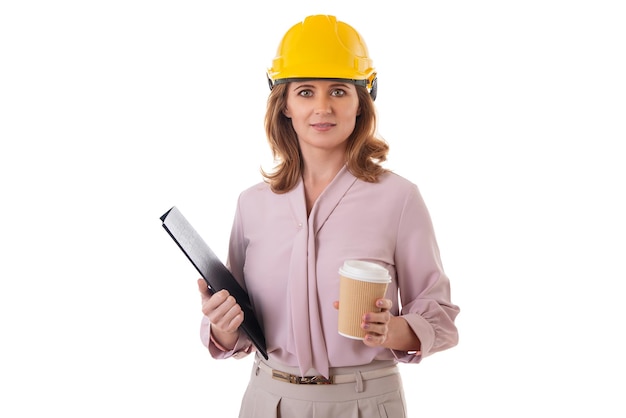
{"points": [[322, 126]]}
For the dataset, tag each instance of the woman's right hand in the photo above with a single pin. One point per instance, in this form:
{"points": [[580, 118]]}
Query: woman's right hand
{"points": [[223, 312]]}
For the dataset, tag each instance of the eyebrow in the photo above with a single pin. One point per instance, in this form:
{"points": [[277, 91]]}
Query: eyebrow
{"points": [[338, 84]]}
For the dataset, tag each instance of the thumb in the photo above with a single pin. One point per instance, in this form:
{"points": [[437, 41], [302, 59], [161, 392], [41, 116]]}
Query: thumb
{"points": [[203, 287]]}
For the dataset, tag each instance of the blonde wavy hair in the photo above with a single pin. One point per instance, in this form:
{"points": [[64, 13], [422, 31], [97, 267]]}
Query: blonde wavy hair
{"points": [[364, 154]]}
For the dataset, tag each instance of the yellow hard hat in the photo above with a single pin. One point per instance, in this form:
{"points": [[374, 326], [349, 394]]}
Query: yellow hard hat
{"points": [[321, 47]]}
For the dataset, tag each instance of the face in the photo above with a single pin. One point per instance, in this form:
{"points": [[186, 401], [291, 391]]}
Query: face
{"points": [[323, 113]]}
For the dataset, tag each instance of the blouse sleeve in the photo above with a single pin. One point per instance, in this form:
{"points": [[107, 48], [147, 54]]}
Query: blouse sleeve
{"points": [[423, 286]]}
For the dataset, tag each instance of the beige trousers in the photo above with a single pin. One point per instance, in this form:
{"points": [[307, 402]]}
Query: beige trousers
{"points": [[266, 397]]}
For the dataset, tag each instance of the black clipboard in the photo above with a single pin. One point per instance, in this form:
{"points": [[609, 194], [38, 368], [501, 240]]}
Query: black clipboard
{"points": [[213, 271]]}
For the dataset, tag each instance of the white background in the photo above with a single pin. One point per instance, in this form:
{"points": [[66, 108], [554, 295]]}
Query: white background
{"points": [[510, 116]]}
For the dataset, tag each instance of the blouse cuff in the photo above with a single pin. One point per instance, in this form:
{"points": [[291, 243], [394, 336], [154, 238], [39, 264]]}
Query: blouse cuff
{"points": [[242, 348], [424, 331]]}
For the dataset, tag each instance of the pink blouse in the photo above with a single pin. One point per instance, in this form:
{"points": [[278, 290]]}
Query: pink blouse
{"points": [[289, 264]]}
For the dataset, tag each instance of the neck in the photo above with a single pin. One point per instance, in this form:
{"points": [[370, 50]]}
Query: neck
{"points": [[321, 174], [316, 177], [322, 165]]}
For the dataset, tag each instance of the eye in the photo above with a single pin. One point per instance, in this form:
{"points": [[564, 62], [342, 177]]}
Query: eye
{"points": [[305, 93], [338, 92]]}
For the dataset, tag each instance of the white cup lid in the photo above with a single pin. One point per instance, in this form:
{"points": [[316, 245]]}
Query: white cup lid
{"points": [[365, 270]]}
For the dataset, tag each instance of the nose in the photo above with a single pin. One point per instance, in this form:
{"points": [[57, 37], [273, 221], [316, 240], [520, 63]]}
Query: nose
{"points": [[322, 105]]}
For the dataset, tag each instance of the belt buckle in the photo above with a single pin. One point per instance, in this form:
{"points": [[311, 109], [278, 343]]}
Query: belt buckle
{"points": [[301, 380]]}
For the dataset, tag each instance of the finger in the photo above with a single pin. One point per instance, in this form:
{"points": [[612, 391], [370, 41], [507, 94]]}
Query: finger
{"points": [[231, 320], [236, 322], [384, 304], [219, 302], [375, 328], [376, 317], [229, 323], [202, 286], [336, 304], [222, 308], [212, 302], [374, 340]]}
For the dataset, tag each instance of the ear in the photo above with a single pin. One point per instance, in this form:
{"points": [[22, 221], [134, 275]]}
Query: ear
{"points": [[286, 113]]}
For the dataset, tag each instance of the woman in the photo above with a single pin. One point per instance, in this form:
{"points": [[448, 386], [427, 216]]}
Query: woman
{"points": [[328, 200]]}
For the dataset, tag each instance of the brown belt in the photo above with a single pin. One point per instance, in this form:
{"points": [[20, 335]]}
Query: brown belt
{"points": [[321, 380]]}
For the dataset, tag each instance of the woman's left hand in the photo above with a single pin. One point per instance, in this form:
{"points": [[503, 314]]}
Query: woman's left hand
{"points": [[376, 324]]}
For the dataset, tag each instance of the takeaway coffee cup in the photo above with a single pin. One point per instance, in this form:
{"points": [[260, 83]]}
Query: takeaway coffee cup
{"points": [[361, 283]]}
